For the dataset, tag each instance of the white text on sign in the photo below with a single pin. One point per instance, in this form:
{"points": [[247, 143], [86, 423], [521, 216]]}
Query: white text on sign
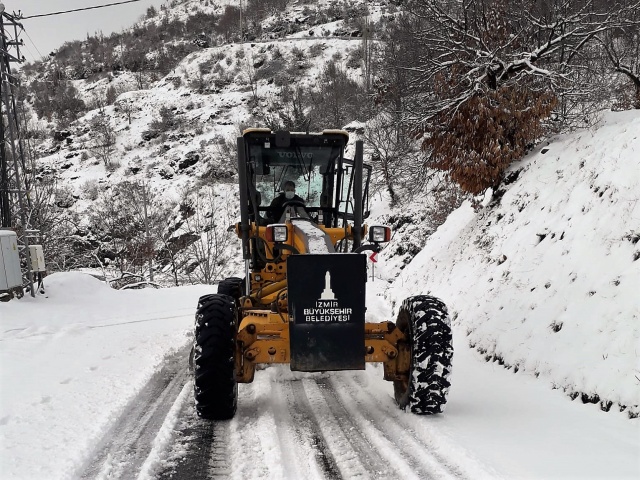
{"points": [[327, 311]]}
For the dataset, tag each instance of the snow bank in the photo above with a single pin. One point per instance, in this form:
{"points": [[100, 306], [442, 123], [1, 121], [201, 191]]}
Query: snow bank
{"points": [[546, 278], [71, 360]]}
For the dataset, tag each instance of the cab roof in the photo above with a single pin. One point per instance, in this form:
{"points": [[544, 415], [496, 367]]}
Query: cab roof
{"points": [[250, 131]]}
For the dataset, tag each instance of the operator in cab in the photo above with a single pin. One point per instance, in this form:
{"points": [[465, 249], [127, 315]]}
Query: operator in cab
{"points": [[288, 195]]}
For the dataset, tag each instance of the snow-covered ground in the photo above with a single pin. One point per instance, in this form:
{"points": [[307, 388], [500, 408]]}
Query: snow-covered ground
{"points": [[72, 360]]}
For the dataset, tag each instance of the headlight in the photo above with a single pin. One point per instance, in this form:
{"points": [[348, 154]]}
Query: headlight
{"points": [[379, 234], [277, 233]]}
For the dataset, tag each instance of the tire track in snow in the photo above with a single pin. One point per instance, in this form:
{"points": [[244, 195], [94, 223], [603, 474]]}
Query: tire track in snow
{"points": [[320, 427], [295, 454], [394, 433], [165, 437], [274, 434], [306, 427], [323, 427], [219, 466], [371, 452], [200, 450], [251, 457], [127, 445]]}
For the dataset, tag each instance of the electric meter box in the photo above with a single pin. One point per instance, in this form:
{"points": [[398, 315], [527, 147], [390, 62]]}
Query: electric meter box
{"points": [[10, 273], [37, 258]]}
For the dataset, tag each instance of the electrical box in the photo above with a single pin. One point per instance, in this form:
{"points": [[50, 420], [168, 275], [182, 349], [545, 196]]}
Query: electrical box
{"points": [[10, 273], [37, 258]]}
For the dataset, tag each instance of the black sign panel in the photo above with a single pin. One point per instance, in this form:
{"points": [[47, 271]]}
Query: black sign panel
{"points": [[326, 307]]}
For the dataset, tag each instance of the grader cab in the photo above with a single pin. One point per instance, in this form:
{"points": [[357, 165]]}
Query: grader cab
{"points": [[302, 301]]}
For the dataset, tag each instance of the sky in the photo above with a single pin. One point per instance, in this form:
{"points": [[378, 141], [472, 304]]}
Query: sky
{"points": [[74, 359], [43, 35]]}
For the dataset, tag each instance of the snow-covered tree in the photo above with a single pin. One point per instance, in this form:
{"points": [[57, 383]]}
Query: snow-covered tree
{"points": [[487, 76], [104, 138]]}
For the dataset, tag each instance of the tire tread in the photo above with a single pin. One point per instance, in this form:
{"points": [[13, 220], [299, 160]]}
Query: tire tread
{"points": [[426, 319], [215, 387]]}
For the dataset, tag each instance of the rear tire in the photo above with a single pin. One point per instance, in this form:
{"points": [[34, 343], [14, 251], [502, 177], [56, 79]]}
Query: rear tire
{"points": [[426, 321], [215, 387], [232, 286]]}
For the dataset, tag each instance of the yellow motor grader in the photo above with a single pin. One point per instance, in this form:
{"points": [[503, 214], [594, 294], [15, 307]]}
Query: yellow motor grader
{"points": [[302, 301]]}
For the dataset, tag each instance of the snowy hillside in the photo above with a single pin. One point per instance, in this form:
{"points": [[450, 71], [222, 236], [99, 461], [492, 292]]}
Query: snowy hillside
{"points": [[205, 118], [176, 136], [546, 278]]}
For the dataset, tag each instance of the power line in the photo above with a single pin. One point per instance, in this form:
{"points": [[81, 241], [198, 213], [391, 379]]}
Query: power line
{"points": [[32, 43], [79, 9]]}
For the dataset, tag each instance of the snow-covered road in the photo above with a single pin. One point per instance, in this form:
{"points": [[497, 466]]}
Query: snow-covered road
{"points": [[346, 425], [80, 401]]}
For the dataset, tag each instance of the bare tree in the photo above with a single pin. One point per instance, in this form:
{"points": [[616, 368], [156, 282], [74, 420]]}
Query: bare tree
{"points": [[622, 48], [228, 23], [250, 74], [481, 45], [60, 233], [367, 53], [110, 95], [396, 158], [141, 79], [127, 108], [57, 97], [208, 255], [399, 165], [104, 137], [339, 100], [291, 112], [131, 221]]}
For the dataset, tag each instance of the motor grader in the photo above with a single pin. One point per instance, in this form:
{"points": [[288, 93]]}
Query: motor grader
{"points": [[302, 300]]}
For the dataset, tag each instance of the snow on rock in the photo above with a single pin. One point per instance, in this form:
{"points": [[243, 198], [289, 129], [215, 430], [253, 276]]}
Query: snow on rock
{"points": [[546, 277]]}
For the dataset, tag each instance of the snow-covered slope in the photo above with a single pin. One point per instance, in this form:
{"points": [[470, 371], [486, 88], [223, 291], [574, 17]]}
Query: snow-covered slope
{"points": [[546, 277], [209, 98]]}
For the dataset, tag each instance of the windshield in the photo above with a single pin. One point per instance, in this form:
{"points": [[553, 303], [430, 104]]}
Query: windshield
{"points": [[310, 168]]}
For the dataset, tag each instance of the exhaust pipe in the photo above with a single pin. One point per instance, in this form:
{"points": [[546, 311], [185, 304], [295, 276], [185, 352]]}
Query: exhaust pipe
{"points": [[244, 199], [357, 194]]}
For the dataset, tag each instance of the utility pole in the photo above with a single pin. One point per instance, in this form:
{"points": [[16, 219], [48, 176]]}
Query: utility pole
{"points": [[241, 37], [14, 189], [145, 202], [366, 53]]}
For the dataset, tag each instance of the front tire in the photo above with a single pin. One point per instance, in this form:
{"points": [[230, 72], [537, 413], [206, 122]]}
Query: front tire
{"points": [[215, 386], [426, 322]]}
